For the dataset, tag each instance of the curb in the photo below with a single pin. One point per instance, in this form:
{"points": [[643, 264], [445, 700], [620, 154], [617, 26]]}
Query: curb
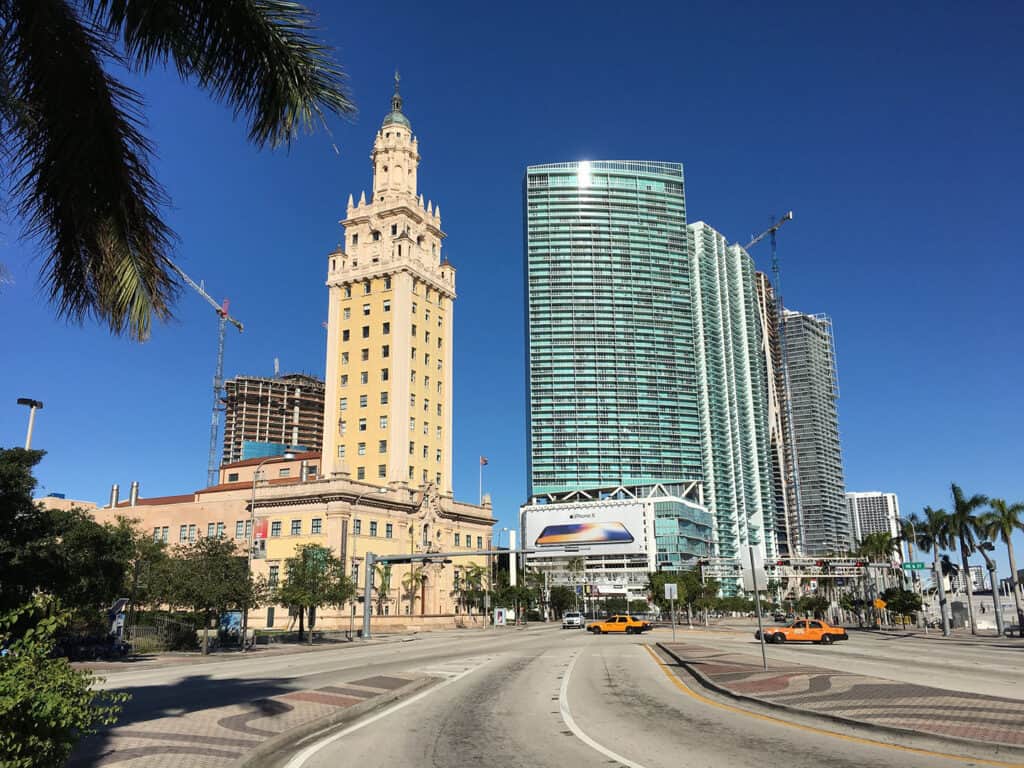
{"points": [[892, 730], [264, 753]]}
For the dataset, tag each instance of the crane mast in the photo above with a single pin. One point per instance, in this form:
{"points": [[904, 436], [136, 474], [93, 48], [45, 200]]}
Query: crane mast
{"points": [[787, 402], [223, 318]]}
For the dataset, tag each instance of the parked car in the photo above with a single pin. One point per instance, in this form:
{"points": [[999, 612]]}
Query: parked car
{"points": [[779, 617], [619, 623], [804, 630], [572, 620]]}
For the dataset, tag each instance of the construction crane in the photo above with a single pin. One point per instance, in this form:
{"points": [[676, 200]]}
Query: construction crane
{"points": [[770, 232], [218, 376], [794, 473]]}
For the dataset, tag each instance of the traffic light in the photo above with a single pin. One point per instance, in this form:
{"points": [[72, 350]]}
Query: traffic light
{"points": [[860, 564]]}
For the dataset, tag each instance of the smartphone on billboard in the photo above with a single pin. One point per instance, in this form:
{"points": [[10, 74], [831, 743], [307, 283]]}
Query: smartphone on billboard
{"points": [[584, 533]]}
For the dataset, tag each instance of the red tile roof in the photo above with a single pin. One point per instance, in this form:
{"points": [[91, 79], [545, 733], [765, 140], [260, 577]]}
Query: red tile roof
{"points": [[307, 455], [140, 502]]}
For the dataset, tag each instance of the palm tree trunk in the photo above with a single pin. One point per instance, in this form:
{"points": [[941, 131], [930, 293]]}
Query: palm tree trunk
{"points": [[940, 590], [968, 583], [1015, 587]]}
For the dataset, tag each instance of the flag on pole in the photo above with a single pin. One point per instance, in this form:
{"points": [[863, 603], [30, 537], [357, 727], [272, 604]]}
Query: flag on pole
{"points": [[483, 461]]}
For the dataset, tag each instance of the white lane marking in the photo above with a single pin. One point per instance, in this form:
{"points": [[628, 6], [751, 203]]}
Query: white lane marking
{"points": [[567, 718], [301, 758]]}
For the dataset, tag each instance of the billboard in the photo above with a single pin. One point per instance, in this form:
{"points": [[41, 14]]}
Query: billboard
{"points": [[594, 528]]}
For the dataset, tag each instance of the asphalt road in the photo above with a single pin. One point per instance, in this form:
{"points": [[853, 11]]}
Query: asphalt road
{"points": [[566, 698]]}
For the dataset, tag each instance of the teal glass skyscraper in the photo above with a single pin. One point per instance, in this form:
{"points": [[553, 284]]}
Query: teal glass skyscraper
{"points": [[613, 393]]}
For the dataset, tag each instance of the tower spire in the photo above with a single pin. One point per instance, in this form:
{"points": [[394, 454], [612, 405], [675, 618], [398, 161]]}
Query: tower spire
{"points": [[396, 100]]}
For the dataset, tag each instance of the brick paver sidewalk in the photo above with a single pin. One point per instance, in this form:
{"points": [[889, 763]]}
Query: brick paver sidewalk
{"points": [[869, 700], [218, 736]]}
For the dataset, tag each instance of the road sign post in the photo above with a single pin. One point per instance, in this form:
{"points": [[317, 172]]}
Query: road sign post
{"points": [[671, 593], [756, 576]]}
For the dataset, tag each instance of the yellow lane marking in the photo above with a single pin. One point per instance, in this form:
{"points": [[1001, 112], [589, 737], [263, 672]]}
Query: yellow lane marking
{"points": [[810, 728]]}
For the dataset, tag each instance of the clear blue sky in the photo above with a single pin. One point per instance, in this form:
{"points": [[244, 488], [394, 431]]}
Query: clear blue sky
{"points": [[893, 133]]}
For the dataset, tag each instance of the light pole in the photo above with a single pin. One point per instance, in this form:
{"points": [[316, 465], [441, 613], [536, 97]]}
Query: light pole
{"points": [[33, 405], [252, 537], [355, 538]]}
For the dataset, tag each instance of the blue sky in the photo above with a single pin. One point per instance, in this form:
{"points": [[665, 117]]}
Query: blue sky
{"points": [[893, 133]]}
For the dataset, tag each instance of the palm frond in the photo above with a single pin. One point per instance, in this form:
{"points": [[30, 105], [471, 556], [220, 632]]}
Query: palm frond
{"points": [[83, 182], [259, 56]]}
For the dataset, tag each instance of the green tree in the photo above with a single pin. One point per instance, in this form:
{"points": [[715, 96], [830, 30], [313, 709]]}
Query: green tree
{"points": [[314, 578], [414, 583], [382, 583], [902, 602], [474, 584], [81, 176], [813, 605], [209, 576], [562, 597], [934, 536], [963, 524], [45, 705], [61, 553], [1000, 523], [638, 606]]}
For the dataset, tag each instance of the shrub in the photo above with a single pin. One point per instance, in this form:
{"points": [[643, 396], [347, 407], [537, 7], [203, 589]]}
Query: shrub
{"points": [[45, 705]]}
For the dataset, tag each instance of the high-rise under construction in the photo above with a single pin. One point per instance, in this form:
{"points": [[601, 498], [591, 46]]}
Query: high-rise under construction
{"points": [[262, 416]]}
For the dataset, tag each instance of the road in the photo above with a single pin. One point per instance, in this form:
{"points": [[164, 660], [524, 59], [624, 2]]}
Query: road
{"points": [[539, 697]]}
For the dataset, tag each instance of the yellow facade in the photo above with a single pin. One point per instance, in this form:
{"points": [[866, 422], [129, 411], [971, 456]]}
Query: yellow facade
{"points": [[387, 415]]}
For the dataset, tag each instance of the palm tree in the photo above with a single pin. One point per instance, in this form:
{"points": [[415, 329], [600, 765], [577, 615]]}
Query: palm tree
{"points": [[1000, 523], [474, 577], [963, 525], [933, 536], [382, 576], [414, 581], [81, 177]]}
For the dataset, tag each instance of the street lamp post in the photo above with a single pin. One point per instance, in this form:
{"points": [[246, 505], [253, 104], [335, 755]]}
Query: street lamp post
{"points": [[354, 560], [33, 405], [914, 581], [252, 537]]}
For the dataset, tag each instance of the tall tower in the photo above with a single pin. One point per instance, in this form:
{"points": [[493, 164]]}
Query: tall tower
{"points": [[733, 395], [610, 359], [787, 521], [388, 401], [813, 391]]}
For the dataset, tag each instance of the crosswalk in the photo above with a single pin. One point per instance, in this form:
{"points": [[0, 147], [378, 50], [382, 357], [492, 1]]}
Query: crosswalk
{"points": [[454, 667]]}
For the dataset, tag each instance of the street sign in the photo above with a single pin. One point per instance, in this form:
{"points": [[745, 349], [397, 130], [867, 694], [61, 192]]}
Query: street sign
{"points": [[913, 566], [671, 591], [879, 603]]}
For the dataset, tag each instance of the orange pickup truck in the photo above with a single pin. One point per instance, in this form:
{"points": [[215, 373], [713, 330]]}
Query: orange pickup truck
{"points": [[623, 623], [804, 630]]}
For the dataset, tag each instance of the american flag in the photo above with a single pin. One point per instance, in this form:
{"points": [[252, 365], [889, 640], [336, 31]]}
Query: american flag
{"points": [[483, 461]]}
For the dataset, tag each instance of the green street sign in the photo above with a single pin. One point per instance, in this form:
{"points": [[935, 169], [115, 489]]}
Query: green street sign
{"points": [[913, 566]]}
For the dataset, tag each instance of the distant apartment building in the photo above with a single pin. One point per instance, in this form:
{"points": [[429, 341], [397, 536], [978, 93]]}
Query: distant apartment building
{"points": [[979, 580], [873, 512], [813, 391], [733, 395], [264, 415], [787, 518]]}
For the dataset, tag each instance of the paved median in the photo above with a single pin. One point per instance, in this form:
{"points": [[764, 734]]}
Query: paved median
{"points": [[221, 736], [864, 700]]}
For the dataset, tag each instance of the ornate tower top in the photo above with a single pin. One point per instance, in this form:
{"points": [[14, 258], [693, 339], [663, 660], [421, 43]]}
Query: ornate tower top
{"points": [[396, 115]]}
